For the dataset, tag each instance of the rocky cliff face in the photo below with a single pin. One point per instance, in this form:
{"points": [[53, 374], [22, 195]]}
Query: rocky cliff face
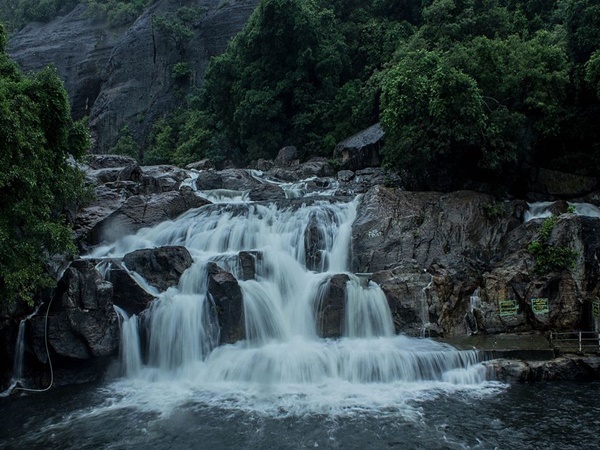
{"points": [[123, 76], [448, 266]]}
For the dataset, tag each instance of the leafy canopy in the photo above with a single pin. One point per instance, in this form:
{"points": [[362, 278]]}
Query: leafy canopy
{"points": [[37, 141]]}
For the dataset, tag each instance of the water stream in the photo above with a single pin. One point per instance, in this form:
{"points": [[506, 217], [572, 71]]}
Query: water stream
{"points": [[180, 389]]}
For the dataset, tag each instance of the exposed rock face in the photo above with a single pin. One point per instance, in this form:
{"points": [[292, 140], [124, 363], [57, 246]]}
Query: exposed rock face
{"points": [[141, 211], [78, 46], [553, 184], [227, 295], [127, 293], [393, 225], [464, 249], [121, 77], [331, 306], [161, 267], [362, 149], [408, 290], [83, 328]]}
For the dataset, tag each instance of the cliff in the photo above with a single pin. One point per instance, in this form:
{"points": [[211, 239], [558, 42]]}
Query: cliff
{"points": [[123, 76]]}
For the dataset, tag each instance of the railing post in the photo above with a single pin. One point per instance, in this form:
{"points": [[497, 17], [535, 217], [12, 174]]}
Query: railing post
{"points": [[580, 349]]}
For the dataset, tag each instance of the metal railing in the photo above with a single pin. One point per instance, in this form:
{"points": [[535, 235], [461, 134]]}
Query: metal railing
{"points": [[581, 341]]}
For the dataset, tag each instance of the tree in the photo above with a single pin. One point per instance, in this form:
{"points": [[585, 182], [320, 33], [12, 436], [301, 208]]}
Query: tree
{"points": [[274, 83], [38, 141], [432, 113]]}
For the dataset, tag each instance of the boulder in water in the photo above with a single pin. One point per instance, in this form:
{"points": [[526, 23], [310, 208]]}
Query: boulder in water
{"points": [[287, 156], [266, 192], [127, 293], [161, 267], [331, 307], [227, 296]]}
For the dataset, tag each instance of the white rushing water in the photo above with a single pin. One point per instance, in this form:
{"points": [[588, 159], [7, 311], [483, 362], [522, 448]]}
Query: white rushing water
{"points": [[541, 210], [282, 365]]}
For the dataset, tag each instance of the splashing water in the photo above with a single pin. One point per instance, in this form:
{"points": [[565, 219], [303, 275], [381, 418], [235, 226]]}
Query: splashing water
{"points": [[282, 364]]}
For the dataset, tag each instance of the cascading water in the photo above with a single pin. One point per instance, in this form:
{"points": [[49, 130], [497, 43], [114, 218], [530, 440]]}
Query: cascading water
{"points": [[425, 308], [470, 320], [282, 349]]}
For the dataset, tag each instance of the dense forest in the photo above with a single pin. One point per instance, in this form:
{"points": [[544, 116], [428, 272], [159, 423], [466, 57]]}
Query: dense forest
{"points": [[476, 88], [472, 88], [38, 140]]}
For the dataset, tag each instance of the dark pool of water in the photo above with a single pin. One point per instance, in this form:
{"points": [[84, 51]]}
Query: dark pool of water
{"points": [[539, 416]]}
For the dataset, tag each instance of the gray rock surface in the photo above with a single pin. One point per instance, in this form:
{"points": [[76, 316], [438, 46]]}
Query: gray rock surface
{"points": [[361, 150], [330, 308], [161, 267], [227, 295], [123, 77]]}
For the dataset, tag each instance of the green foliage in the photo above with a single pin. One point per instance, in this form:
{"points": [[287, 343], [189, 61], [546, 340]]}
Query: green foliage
{"points": [[177, 27], [275, 82], [16, 13], [126, 144], [37, 139], [182, 72], [116, 12], [550, 257], [493, 210]]}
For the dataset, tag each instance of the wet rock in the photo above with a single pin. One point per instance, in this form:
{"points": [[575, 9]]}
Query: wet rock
{"points": [[571, 368], [407, 289], [287, 156], [330, 307], [233, 179], [249, 264], [127, 293], [345, 175], [266, 192], [203, 164], [361, 150], [164, 178], [227, 296], [161, 267], [82, 323], [137, 212]]}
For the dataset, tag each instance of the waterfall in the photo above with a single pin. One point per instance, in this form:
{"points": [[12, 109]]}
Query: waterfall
{"points": [[131, 357], [19, 352], [426, 324], [297, 249], [470, 319]]}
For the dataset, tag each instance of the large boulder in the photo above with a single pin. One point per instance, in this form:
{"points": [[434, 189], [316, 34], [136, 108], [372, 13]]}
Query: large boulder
{"points": [[330, 307], [266, 192], [232, 179], [287, 156], [82, 323], [128, 294], [227, 296], [361, 150], [161, 267], [137, 212]]}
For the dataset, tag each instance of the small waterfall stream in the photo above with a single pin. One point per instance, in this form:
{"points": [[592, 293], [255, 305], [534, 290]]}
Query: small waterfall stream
{"points": [[301, 246]]}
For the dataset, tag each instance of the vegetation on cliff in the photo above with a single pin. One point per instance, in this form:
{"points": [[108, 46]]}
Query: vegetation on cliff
{"points": [[38, 141], [478, 88]]}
